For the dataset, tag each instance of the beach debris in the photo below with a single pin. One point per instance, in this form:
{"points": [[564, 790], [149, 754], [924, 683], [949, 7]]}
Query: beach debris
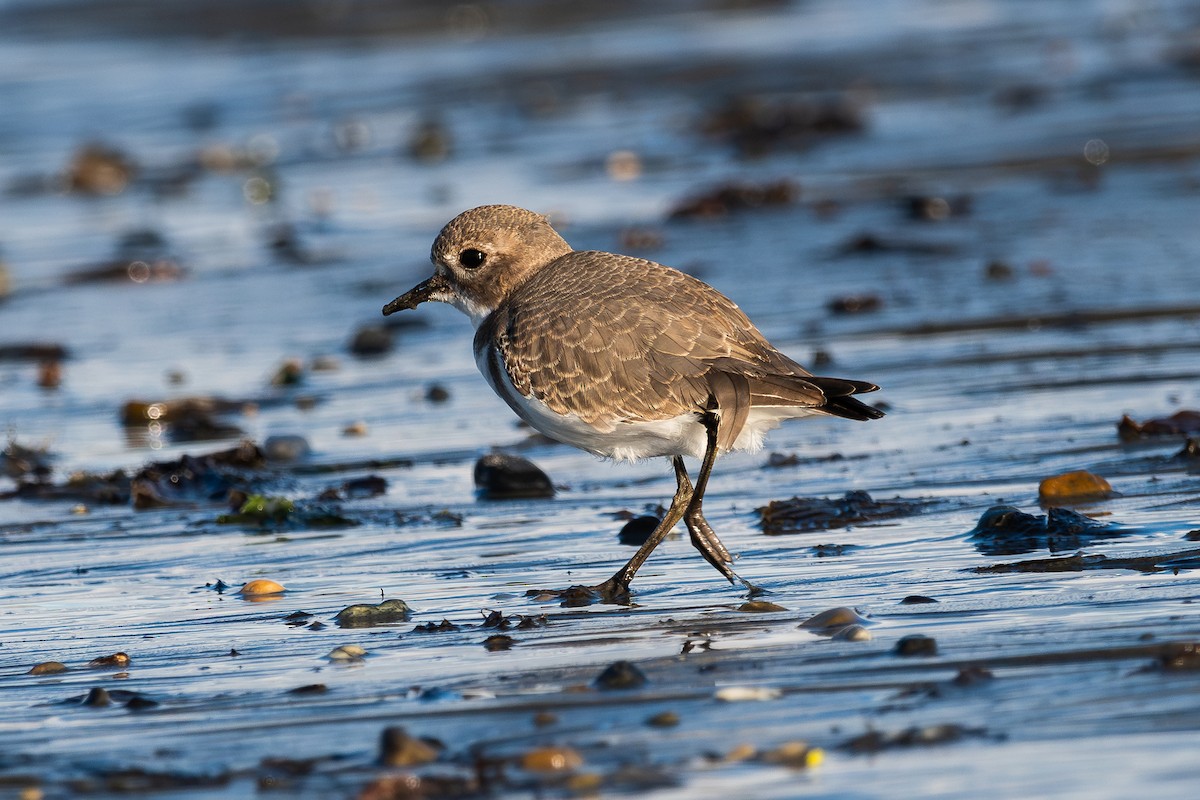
{"points": [[117, 660], [730, 198], [760, 607], [804, 514], [47, 668], [1181, 423]]}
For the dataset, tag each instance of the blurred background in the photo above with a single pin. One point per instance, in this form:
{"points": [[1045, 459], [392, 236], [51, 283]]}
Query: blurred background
{"points": [[988, 207]]}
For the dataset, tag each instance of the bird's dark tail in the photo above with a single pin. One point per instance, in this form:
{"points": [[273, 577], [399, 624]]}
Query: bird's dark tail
{"points": [[840, 401]]}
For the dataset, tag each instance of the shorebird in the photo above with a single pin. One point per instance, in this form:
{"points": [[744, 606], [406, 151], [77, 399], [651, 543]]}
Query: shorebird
{"points": [[622, 357]]}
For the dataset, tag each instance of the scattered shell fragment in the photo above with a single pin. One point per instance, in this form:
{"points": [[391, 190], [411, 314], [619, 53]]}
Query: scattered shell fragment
{"points": [[1074, 487], [746, 694], [47, 668], [347, 652], [261, 587], [551, 759]]}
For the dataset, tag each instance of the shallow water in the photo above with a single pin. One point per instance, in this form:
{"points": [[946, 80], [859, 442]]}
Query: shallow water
{"points": [[991, 385]]}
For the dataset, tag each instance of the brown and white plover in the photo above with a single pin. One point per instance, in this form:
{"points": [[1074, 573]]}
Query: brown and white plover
{"points": [[622, 357]]}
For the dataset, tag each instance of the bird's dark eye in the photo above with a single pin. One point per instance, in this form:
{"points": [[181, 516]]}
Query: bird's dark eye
{"points": [[472, 258]]}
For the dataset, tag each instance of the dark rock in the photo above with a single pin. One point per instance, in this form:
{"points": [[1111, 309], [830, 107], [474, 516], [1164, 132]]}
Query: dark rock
{"points": [[636, 531], [437, 393], [367, 486], [931, 208], [498, 641], [735, 197], [97, 697], [1006, 530], [620, 675], [916, 599], [500, 476], [371, 340], [398, 749], [310, 688], [855, 304], [364, 615], [998, 271], [972, 676], [916, 645]]}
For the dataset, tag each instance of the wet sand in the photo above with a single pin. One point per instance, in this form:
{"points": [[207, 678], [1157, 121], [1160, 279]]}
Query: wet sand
{"points": [[987, 209]]}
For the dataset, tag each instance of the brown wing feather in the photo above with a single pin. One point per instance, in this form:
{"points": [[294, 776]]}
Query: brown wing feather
{"points": [[571, 337]]}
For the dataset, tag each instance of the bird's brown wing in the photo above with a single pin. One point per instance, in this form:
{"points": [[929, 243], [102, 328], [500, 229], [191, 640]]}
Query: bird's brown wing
{"points": [[614, 339]]}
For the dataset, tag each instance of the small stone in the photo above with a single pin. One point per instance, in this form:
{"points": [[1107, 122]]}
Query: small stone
{"points": [[437, 394], [916, 600], [498, 641], [289, 373], [47, 668], [916, 645], [760, 607], [500, 476], [260, 588], [663, 719], [636, 531], [833, 618], [1074, 487], [97, 697], [347, 652], [852, 633], [364, 615], [398, 749], [742, 752], [286, 448], [309, 688], [357, 428], [620, 675], [118, 660], [551, 759], [371, 340], [798, 755]]}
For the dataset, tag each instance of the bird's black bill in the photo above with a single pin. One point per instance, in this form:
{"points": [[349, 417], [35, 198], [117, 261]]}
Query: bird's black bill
{"points": [[423, 291]]}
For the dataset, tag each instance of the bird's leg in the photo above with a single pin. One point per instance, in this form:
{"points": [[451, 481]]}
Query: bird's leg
{"points": [[704, 538], [617, 587]]}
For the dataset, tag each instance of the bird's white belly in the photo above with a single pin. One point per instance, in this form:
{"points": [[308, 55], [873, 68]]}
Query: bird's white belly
{"points": [[683, 435]]}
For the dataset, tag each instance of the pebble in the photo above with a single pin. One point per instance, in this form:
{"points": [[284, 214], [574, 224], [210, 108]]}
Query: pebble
{"points": [[1077, 486], [663, 719], [834, 618], [852, 633], [620, 675], [916, 645], [371, 340], [500, 476], [47, 668], [760, 607], [364, 615], [551, 759], [916, 599], [398, 749], [261, 587], [636, 531], [347, 652]]}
